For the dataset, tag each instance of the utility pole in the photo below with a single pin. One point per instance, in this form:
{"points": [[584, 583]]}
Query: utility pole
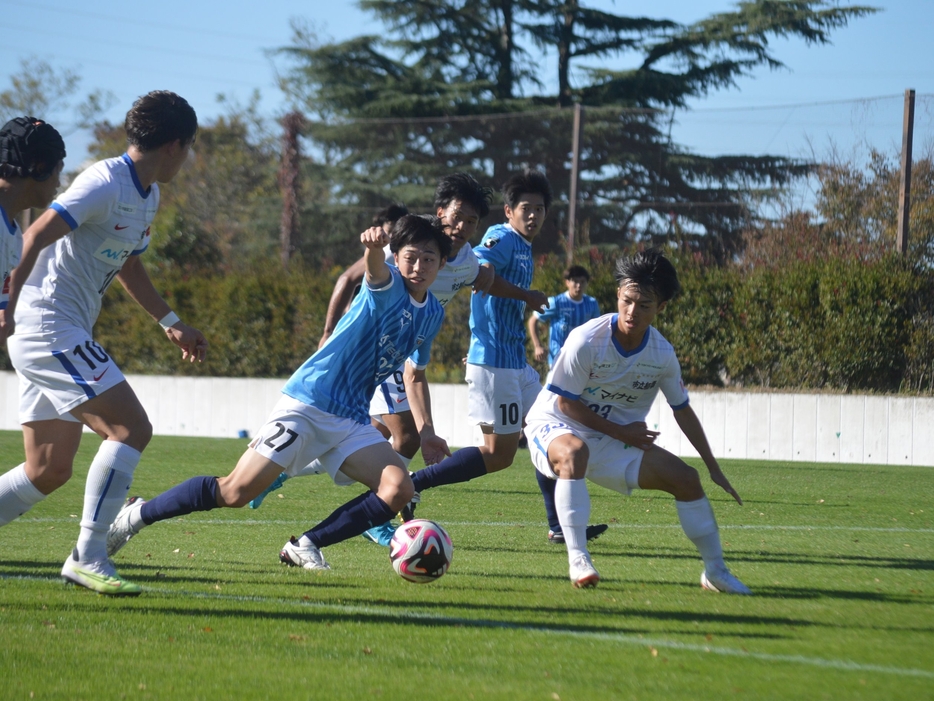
{"points": [[904, 188], [575, 169]]}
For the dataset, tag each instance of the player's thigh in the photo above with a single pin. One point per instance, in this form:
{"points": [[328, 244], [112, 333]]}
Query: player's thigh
{"points": [[557, 451], [666, 472], [116, 414], [614, 465], [379, 468], [66, 365], [50, 447]]}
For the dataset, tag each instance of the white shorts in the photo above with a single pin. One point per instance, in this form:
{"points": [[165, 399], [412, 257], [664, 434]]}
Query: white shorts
{"points": [[59, 369], [296, 434], [390, 396], [612, 463], [501, 397]]}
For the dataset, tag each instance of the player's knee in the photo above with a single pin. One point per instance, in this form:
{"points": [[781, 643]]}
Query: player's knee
{"points": [[397, 494], [232, 495], [569, 459], [51, 474], [686, 484]]}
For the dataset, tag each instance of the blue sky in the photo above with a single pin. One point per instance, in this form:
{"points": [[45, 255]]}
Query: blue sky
{"points": [[827, 95]]}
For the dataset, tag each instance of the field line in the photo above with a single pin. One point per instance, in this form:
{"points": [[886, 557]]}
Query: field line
{"points": [[519, 524], [632, 640]]}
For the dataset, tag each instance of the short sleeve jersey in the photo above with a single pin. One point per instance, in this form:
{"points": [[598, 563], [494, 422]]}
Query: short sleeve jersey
{"points": [[564, 314], [619, 385], [11, 248], [109, 214], [457, 272], [497, 331], [381, 329]]}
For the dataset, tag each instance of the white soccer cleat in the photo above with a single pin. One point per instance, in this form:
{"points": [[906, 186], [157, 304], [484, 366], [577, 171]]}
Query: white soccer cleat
{"points": [[121, 531], [722, 581], [306, 556], [100, 576], [583, 574]]}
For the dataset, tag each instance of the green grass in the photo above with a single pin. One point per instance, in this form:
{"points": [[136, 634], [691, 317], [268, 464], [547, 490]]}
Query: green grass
{"points": [[840, 558]]}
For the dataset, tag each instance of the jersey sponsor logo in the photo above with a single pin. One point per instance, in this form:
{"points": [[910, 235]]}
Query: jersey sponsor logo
{"points": [[125, 208], [489, 243], [97, 378], [639, 384], [113, 251], [419, 340], [117, 227]]}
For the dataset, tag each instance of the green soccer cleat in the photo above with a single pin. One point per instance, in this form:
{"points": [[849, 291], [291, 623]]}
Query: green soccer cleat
{"points": [[100, 576]]}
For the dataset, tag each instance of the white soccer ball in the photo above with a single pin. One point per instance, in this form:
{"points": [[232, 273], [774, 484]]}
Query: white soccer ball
{"points": [[420, 551]]}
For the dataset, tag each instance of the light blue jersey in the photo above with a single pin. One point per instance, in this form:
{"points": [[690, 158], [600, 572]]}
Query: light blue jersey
{"points": [[564, 314], [497, 331], [381, 329]]}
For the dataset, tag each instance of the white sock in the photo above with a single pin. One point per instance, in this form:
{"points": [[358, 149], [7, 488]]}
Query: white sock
{"points": [[572, 502], [109, 481], [17, 494], [700, 525]]}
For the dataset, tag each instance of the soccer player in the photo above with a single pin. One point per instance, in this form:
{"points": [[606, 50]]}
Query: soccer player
{"points": [[589, 421], [323, 411], [92, 234], [565, 311], [32, 156]]}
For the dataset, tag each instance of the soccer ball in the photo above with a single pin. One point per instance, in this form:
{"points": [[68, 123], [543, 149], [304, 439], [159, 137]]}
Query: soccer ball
{"points": [[420, 551]]}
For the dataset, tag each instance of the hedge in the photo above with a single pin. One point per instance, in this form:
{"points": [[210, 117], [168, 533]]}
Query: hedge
{"points": [[842, 325]]}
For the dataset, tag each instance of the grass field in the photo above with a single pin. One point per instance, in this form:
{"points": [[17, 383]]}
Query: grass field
{"points": [[840, 557]]}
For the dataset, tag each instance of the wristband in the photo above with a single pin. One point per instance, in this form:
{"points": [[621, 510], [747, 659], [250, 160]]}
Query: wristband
{"points": [[169, 320]]}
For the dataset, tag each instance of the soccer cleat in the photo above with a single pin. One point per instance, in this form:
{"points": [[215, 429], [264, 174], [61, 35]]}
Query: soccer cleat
{"points": [[308, 557], [100, 576], [723, 581], [593, 532], [382, 534], [583, 574], [408, 511], [120, 530], [278, 482]]}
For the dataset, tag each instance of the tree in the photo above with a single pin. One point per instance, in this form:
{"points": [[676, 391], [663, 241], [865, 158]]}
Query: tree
{"points": [[39, 90], [429, 95]]}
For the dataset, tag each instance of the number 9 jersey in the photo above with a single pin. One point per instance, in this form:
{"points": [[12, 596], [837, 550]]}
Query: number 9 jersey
{"points": [[109, 214], [619, 385]]}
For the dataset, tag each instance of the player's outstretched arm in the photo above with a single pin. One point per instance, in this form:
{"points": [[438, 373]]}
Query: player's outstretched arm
{"points": [[434, 448], [341, 296], [692, 429], [539, 351], [46, 230], [136, 282], [377, 270], [534, 300]]}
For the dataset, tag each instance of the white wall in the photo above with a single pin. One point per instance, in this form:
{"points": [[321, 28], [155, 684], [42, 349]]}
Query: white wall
{"points": [[883, 430]]}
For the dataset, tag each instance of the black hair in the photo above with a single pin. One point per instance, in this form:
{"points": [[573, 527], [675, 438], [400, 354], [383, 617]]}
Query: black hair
{"points": [[417, 228], [463, 187], [649, 270], [30, 148], [576, 271], [159, 118], [528, 181], [390, 214]]}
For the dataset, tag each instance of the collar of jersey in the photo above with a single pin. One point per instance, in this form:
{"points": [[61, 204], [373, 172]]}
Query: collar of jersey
{"points": [[6, 220], [622, 351], [139, 188], [521, 237]]}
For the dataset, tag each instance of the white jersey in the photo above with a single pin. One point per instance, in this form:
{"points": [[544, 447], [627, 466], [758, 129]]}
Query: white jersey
{"points": [[11, 248], [618, 385], [109, 214], [460, 271]]}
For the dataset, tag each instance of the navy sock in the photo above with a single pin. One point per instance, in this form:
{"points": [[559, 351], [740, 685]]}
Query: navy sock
{"points": [[196, 494], [464, 465], [547, 487], [350, 520]]}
